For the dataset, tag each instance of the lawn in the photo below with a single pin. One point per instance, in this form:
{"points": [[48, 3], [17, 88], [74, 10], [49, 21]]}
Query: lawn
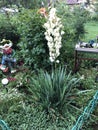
{"points": [[91, 29]]}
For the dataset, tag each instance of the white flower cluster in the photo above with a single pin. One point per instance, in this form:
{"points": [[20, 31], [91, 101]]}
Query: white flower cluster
{"points": [[53, 34]]}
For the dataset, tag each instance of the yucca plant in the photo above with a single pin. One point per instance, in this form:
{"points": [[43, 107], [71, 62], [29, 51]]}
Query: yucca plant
{"points": [[53, 90]]}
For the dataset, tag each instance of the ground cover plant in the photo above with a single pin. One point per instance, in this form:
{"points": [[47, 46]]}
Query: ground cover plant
{"points": [[45, 96]]}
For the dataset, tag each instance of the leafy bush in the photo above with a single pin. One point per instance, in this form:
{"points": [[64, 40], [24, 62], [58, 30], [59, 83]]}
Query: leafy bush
{"points": [[93, 12], [53, 90], [73, 20], [33, 46], [96, 12], [8, 29]]}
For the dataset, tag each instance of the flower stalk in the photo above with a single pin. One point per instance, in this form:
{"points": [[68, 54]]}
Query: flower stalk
{"points": [[53, 35]]}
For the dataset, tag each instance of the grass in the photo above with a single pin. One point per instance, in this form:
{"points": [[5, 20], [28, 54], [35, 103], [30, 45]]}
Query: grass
{"points": [[91, 29]]}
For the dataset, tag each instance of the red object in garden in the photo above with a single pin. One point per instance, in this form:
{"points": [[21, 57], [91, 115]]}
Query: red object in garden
{"points": [[11, 79]]}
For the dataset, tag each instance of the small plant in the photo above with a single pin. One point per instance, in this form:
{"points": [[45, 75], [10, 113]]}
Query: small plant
{"points": [[53, 90]]}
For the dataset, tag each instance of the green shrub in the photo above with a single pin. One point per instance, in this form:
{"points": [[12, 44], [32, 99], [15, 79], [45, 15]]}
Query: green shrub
{"points": [[73, 20], [8, 30], [33, 46], [94, 14]]}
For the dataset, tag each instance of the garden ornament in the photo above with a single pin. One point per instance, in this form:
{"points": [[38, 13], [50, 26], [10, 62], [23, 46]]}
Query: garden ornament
{"points": [[8, 61]]}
